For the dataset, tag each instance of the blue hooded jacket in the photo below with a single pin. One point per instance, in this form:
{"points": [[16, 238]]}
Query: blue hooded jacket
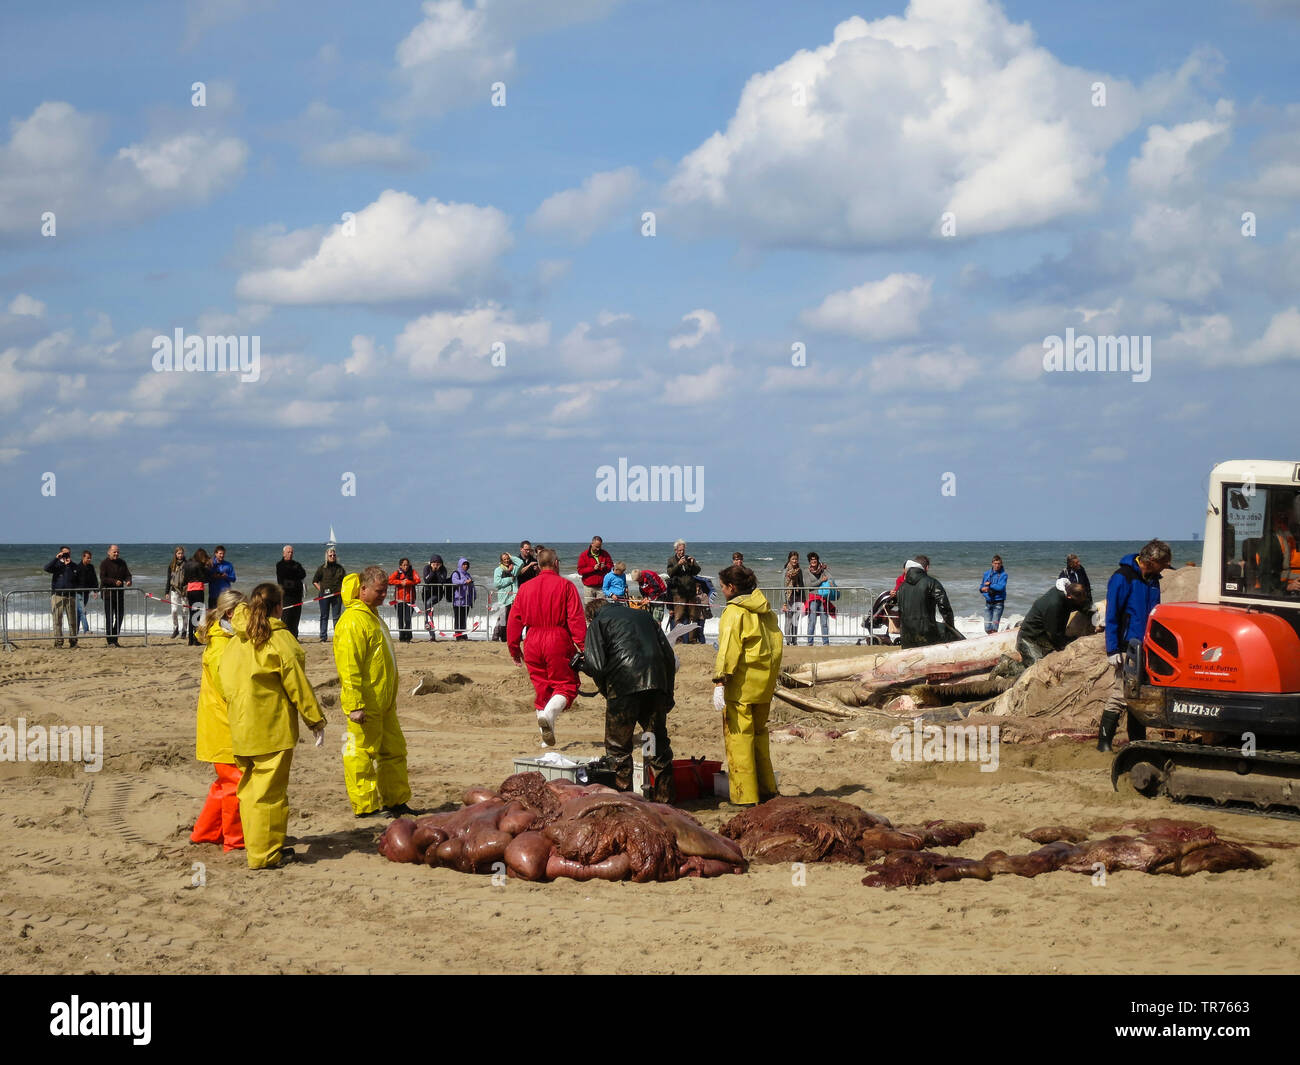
{"points": [[1130, 597], [997, 583]]}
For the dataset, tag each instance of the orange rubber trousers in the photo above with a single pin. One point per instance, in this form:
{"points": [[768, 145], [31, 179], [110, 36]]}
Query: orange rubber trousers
{"points": [[219, 819]]}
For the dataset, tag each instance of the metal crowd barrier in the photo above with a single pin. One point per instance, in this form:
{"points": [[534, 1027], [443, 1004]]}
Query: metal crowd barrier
{"points": [[439, 618], [28, 616]]}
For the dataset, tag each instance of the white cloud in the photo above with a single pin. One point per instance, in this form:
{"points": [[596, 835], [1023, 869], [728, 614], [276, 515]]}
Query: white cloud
{"points": [[1277, 180], [27, 306], [696, 389], [878, 310], [948, 108], [327, 140], [706, 324], [1281, 340], [1171, 157], [458, 346], [586, 354], [456, 52], [1027, 362], [389, 151], [401, 249], [786, 379], [910, 369], [577, 214], [550, 271], [1204, 339], [365, 359], [52, 163]]}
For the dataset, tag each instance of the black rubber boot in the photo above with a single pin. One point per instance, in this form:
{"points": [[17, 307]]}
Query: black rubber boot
{"points": [[1109, 722], [1136, 730]]}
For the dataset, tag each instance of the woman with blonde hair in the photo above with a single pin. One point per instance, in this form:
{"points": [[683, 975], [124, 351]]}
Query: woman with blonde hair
{"points": [[266, 688], [218, 821]]}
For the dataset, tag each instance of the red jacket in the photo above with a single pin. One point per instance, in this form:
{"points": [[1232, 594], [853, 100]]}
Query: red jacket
{"points": [[593, 570], [652, 585], [549, 601], [405, 585]]}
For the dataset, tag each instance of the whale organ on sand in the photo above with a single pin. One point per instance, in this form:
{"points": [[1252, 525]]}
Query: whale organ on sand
{"points": [[535, 829]]}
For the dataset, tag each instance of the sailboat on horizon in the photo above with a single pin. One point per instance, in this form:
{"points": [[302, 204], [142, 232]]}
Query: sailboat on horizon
{"points": [[332, 541]]}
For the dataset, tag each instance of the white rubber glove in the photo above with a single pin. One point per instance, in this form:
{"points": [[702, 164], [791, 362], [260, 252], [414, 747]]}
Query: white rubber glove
{"points": [[320, 737], [1116, 660], [719, 698]]}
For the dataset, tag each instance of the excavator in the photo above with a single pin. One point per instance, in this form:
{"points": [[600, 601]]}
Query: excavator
{"points": [[1217, 682]]}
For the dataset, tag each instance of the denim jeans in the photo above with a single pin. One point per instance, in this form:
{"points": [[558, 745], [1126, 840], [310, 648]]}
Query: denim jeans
{"points": [[817, 607], [332, 605], [992, 615], [82, 624]]}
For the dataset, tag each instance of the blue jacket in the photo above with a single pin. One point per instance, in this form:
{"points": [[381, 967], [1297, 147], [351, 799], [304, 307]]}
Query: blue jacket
{"points": [[1130, 597], [223, 576], [615, 584], [997, 583]]}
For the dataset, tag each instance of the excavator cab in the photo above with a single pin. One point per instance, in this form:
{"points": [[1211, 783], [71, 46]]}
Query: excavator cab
{"points": [[1217, 682]]}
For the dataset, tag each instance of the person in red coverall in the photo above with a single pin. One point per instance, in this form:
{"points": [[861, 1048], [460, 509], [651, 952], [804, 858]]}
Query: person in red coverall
{"points": [[550, 608], [593, 564]]}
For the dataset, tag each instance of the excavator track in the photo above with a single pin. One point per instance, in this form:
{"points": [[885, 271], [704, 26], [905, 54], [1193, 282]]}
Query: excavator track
{"points": [[1265, 783]]}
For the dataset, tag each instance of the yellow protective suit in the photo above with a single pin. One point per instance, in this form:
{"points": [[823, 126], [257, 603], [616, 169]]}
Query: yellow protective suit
{"points": [[212, 728], [749, 661], [374, 752], [265, 688]]}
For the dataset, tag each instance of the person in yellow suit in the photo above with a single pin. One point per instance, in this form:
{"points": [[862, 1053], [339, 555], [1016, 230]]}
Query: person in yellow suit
{"points": [[744, 677], [218, 821], [266, 689], [374, 751]]}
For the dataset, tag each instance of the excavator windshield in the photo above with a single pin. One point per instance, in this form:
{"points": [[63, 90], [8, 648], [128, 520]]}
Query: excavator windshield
{"points": [[1260, 559]]}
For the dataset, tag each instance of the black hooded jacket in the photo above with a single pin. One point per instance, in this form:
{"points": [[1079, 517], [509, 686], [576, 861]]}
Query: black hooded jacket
{"points": [[919, 596], [626, 653]]}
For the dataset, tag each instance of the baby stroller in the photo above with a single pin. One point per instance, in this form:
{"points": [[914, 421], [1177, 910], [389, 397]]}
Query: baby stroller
{"points": [[882, 623]]}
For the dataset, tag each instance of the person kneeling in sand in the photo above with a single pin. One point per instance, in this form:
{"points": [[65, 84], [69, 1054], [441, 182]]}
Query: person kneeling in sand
{"points": [[266, 688], [745, 675], [374, 754], [550, 608]]}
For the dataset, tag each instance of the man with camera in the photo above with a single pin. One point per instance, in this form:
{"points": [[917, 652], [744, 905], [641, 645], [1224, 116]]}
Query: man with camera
{"points": [[633, 665], [63, 600], [681, 573]]}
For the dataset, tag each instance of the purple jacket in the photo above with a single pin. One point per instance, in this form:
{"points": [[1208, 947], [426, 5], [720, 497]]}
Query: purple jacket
{"points": [[462, 592]]}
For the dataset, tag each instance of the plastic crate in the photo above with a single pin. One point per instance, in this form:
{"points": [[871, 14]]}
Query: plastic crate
{"points": [[552, 772]]}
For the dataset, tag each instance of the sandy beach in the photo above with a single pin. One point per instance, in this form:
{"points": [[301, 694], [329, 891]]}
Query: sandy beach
{"points": [[97, 874]]}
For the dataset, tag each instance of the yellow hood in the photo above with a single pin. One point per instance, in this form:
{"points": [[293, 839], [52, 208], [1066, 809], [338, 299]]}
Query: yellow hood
{"points": [[351, 586], [239, 621]]}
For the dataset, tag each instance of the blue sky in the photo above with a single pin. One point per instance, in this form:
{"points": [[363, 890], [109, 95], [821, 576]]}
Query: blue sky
{"points": [[799, 160]]}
